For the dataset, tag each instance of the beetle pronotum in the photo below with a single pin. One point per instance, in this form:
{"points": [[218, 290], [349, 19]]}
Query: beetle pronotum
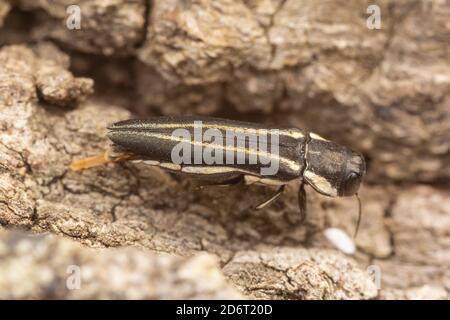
{"points": [[329, 168]]}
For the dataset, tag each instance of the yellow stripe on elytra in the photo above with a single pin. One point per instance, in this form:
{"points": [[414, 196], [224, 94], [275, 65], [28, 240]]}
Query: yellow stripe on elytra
{"points": [[249, 176], [292, 164], [207, 170], [293, 133]]}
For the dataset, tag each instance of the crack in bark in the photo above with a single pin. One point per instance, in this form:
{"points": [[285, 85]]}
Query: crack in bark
{"points": [[147, 20]]}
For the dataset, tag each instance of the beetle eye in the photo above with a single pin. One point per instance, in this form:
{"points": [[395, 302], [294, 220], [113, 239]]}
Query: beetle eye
{"points": [[351, 184]]}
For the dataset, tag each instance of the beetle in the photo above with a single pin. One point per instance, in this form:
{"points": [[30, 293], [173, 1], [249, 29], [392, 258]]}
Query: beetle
{"points": [[329, 168]]}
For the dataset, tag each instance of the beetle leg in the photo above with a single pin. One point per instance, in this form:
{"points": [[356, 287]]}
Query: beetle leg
{"points": [[302, 201], [271, 199]]}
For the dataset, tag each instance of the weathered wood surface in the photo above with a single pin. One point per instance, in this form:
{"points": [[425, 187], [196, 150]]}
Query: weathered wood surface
{"points": [[307, 64]]}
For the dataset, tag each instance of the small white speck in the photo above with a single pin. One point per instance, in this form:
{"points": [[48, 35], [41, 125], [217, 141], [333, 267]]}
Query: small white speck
{"points": [[341, 240]]}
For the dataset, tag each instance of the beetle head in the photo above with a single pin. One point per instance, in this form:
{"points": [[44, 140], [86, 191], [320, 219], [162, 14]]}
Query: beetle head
{"points": [[331, 169]]}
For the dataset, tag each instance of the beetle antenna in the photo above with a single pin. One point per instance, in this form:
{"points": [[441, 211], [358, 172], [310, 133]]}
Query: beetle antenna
{"points": [[359, 215], [89, 162], [95, 161]]}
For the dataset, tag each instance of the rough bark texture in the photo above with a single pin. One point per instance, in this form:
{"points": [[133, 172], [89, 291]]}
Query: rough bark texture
{"points": [[298, 274], [307, 64], [108, 27], [37, 266]]}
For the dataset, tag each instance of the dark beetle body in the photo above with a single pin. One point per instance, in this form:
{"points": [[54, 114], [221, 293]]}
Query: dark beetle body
{"points": [[329, 168], [152, 140]]}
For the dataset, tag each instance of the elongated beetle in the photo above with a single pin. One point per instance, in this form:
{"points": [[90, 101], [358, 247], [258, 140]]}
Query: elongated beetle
{"points": [[227, 152]]}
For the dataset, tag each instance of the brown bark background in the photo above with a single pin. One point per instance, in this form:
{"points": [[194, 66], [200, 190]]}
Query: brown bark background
{"points": [[308, 64]]}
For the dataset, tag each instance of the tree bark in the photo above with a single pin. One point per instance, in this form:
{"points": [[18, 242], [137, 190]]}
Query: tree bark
{"points": [[313, 65]]}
